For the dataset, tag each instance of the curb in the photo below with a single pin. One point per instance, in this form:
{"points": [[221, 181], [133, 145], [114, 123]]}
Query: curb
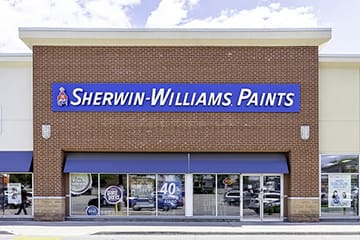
{"points": [[224, 233], [5, 233]]}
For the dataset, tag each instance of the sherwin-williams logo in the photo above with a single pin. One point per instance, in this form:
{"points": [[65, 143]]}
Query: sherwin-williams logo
{"points": [[62, 98], [175, 97]]}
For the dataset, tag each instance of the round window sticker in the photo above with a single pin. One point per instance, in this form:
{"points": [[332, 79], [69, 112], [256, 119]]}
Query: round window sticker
{"points": [[80, 183], [92, 210], [113, 194], [228, 181]]}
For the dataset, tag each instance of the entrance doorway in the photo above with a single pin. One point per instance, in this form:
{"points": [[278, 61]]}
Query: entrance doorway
{"points": [[262, 197]]}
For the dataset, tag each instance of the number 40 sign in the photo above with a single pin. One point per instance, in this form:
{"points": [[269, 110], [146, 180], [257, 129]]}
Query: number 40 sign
{"points": [[169, 187]]}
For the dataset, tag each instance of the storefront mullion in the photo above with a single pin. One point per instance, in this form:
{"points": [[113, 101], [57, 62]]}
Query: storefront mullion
{"points": [[241, 197], [216, 195], [98, 193], [127, 195], [156, 196]]}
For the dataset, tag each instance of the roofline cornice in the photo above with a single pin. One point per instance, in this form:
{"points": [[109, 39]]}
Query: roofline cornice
{"points": [[174, 37]]}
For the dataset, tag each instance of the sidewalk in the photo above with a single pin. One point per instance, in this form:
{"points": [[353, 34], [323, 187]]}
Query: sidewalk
{"points": [[116, 228]]}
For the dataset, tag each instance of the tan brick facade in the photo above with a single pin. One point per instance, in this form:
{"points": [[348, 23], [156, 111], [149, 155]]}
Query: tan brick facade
{"points": [[175, 132], [303, 210], [52, 209]]}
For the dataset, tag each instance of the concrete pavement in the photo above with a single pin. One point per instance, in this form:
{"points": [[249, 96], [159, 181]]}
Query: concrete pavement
{"points": [[74, 228]]}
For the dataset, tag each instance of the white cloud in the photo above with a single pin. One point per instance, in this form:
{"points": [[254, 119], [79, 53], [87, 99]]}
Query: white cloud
{"points": [[115, 13], [261, 17], [64, 13], [170, 13], [174, 13], [193, 3]]}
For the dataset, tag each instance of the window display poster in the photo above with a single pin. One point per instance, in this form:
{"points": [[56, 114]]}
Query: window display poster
{"points": [[339, 195], [142, 186], [14, 193]]}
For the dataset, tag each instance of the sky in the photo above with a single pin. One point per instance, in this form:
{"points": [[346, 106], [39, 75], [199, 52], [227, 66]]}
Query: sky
{"points": [[342, 16]]}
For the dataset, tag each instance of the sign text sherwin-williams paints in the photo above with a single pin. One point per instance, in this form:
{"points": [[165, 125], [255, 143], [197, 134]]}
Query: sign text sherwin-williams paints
{"points": [[174, 97]]}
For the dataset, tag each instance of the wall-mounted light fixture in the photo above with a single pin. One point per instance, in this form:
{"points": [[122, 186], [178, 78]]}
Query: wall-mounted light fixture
{"points": [[46, 131], [305, 132]]}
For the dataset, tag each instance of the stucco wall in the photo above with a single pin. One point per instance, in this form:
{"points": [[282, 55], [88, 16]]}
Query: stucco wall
{"points": [[16, 116], [339, 99]]}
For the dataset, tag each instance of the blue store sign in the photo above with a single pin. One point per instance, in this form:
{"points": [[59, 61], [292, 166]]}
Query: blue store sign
{"points": [[172, 97]]}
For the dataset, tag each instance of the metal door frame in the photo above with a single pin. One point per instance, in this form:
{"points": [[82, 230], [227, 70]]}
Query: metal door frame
{"points": [[261, 205]]}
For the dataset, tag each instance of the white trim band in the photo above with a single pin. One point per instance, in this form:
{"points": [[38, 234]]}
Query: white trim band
{"points": [[15, 57], [339, 58]]}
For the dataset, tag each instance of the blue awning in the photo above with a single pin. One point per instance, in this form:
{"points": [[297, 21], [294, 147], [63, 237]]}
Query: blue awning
{"points": [[138, 163], [238, 163], [15, 161], [126, 163]]}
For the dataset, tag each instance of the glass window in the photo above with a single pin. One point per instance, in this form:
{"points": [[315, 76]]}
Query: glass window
{"points": [[113, 195], [84, 193], [16, 194], [228, 195], [251, 191], [204, 195], [142, 198], [171, 194], [339, 203], [339, 185], [339, 164], [272, 193]]}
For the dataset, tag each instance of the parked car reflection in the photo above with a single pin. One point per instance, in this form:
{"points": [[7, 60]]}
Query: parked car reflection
{"points": [[166, 202], [232, 197], [271, 203]]}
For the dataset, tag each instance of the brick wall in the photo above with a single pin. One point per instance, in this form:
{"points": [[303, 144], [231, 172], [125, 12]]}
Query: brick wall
{"points": [[176, 132]]}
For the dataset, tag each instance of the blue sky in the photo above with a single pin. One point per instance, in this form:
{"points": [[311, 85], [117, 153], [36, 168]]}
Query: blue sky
{"points": [[342, 16]]}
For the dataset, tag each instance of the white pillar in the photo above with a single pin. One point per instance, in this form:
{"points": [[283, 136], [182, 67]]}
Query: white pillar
{"points": [[188, 195]]}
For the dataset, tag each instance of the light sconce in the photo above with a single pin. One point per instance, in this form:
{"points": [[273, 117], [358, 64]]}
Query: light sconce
{"points": [[46, 131], [305, 132]]}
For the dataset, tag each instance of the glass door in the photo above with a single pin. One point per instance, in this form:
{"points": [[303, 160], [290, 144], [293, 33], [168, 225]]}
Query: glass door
{"points": [[272, 198], [261, 197], [251, 191]]}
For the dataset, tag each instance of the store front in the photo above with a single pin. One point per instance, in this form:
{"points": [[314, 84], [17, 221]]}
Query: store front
{"points": [[213, 123], [258, 198], [189, 188], [179, 97]]}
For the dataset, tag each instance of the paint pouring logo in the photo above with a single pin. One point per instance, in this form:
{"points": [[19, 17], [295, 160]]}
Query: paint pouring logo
{"points": [[62, 98]]}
